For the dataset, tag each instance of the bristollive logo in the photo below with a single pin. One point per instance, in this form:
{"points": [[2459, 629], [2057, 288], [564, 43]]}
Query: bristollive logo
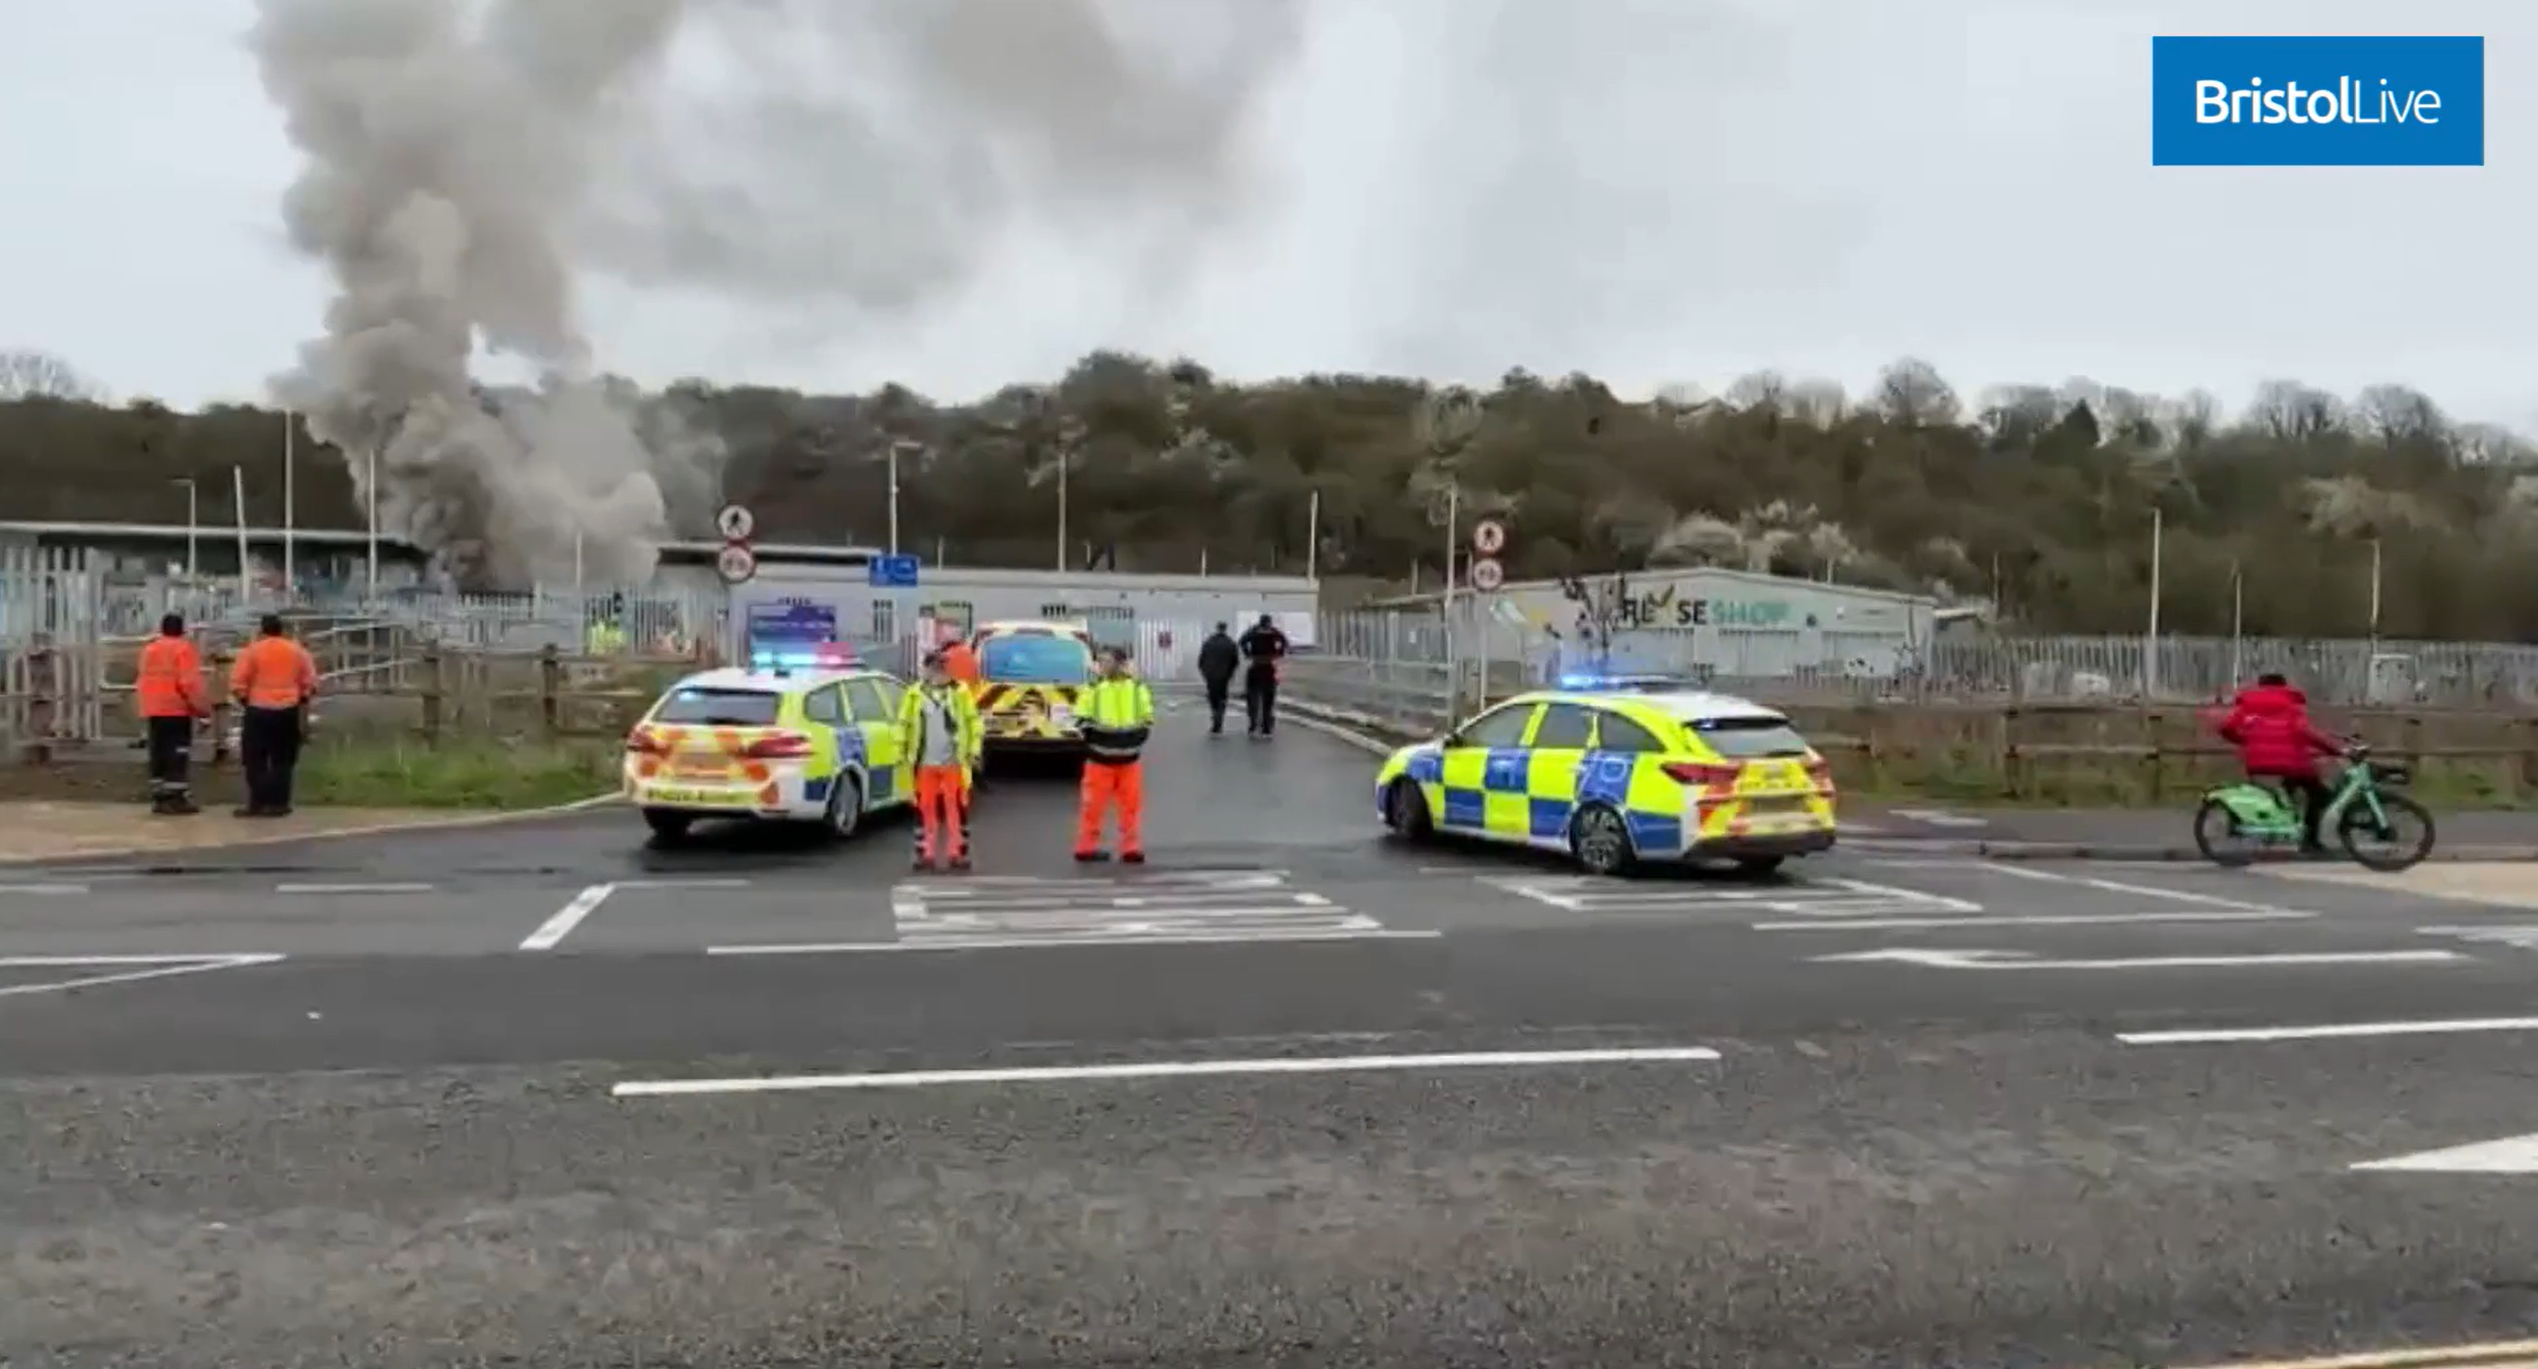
{"points": [[2317, 101]]}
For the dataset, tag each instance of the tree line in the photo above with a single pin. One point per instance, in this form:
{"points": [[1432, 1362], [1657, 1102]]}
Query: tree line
{"points": [[2042, 499]]}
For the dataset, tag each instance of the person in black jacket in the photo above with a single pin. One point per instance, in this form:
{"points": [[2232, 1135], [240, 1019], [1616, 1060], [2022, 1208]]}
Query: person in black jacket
{"points": [[1217, 658], [1264, 646]]}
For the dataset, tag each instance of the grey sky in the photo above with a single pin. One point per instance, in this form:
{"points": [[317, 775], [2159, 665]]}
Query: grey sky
{"points": [[1648, 190]]}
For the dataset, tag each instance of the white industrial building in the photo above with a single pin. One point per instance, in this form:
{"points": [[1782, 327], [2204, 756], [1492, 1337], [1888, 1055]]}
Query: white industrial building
{"points": [[1728, 623]]}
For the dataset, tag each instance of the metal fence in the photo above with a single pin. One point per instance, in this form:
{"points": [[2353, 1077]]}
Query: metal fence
{"points": [[61, 616], [1415, 669]]}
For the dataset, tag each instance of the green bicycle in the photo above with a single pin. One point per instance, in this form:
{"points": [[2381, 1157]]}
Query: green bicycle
{"points": [[2237, 822]]}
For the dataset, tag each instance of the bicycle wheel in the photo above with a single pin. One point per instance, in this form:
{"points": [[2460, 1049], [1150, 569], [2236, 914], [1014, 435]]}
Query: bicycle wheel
{"points": [[2217, 836], [2384, 846]]}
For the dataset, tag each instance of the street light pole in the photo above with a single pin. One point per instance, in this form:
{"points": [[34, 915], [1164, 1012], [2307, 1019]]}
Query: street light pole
{"points": [[1069, 433], [193, 528], [290, 502], [372, 482]]}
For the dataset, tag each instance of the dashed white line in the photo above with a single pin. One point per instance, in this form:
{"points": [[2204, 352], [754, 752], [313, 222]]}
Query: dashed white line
{"points": [[560, 926], [43, 889], [2028, 920], [1074, 938], [2117, 886], [2329, 1031], [155, 967], [390, 888], [1169, 1069]]}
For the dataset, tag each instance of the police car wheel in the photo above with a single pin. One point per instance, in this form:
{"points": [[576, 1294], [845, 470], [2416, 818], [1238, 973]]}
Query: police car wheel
{"points": [[1405, 812], [1600, 840], [845, 807]]}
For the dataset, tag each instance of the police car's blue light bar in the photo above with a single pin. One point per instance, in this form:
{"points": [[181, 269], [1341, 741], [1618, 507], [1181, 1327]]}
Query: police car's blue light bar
{"points": [[1623, 680], [829, 657]]}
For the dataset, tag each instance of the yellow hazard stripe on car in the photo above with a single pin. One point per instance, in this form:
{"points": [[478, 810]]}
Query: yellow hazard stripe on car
{"points": [[1027, 712]]}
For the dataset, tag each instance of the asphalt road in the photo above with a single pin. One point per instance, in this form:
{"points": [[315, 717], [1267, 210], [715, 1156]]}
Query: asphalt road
{"points": [[416, 1101]]}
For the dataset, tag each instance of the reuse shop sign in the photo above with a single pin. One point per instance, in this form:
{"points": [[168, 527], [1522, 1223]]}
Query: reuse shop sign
{"points": [[1661, 608]]}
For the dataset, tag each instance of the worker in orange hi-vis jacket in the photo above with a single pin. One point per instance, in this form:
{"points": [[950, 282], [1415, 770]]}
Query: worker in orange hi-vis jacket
{"points": [[275, 678], [1116, 716], [169, 692]]}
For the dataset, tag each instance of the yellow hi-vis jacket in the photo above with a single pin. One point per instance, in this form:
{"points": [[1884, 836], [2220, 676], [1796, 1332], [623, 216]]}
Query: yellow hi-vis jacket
{"points": [[915, 718], [1116, 715]]}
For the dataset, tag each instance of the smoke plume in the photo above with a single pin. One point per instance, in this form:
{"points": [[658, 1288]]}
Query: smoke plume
{"points": [[466, 165]]}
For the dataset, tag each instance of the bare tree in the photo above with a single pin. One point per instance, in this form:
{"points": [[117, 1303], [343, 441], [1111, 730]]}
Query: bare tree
{"points": [[28, 374]]}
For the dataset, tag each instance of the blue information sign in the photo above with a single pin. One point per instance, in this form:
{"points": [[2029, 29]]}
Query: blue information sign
{"points": [[894, 572]]}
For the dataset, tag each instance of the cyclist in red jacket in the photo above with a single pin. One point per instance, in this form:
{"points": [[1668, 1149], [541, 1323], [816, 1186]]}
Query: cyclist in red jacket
{"points": [[2269, 724]]}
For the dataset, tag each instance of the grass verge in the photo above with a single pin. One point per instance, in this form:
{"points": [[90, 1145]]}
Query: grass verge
{"points": [[356, 771], [458, 775]]}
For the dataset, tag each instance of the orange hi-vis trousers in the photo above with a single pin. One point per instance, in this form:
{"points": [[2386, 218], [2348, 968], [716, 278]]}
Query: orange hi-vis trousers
{"points": [[942, 804], [1106, 787]]}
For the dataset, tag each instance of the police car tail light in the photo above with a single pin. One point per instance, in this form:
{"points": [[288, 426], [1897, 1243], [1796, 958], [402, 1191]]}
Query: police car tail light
{"points": [[643, 741], [1820, 774], [1697, 774], [781, 746]]}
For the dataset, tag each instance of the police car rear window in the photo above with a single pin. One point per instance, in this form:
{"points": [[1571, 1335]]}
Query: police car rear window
{"points": [[719, 708], [1741, 739], [1023, 658]]}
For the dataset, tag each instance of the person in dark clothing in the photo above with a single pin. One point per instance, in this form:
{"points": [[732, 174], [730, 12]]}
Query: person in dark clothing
{"points": [[2269, 724], [1217, 659], [1263, 645]]}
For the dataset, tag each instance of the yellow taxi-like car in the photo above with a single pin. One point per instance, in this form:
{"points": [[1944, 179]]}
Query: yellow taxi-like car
{"points": [[1618, 777], [786, 740], [1030, 676]]}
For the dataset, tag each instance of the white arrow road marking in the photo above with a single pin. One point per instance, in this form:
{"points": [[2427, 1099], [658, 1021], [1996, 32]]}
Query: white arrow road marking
{"points": [[157, 967], [2510, 1155], [566, 918], [2020, 960]]}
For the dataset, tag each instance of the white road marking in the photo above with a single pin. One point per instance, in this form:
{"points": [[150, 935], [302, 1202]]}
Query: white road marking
{"points": [[157, 967], [682, 884], [1169, 1069], [393, 888], [560, 926], [1874, 924], [1914, 897], [2329, 1031], [1011, 943], [47, 889], [2523, 936], [1938, 818], [2510, 1155], [2021, 960], [2117, 886]]}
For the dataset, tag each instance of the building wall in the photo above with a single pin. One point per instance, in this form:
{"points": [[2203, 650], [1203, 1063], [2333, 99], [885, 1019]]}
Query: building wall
{"points": [[1116, 604], [1734, 623]]}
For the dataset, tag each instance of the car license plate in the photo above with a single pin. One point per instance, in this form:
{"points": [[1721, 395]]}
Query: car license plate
{"points": [[695, 797], [1776, 807]]}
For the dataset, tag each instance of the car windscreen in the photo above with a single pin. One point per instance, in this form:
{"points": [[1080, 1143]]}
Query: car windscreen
{"points": [[719, 708], [1745, 739], [1028, 658]]}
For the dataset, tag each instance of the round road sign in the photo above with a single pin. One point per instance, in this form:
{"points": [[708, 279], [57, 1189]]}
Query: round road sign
{"points": [[735, 564], [1489, 537], [1487, 574], [735, 523]]}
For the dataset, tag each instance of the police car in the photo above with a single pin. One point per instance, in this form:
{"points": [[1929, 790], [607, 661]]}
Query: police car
{"points": [[796, 737], [1617, 777]]}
